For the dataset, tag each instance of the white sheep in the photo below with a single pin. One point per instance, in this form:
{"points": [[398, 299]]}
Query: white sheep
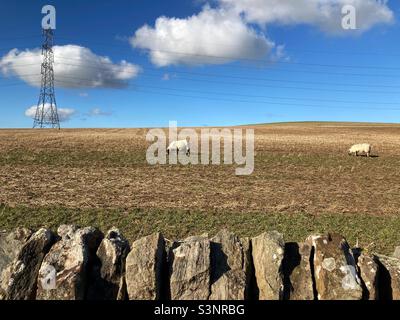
{"points": [[358, 149], [181, 145]]}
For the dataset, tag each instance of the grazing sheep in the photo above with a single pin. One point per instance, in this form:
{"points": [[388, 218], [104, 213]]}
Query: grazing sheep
{"points": [[358, 149], [181, 145]]}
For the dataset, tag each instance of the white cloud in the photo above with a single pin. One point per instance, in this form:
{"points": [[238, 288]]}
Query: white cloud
{"points": [[64, 114], [98, 112], [75, 67], [324, 14], [202, 39], [280, 54], [168, 76]]}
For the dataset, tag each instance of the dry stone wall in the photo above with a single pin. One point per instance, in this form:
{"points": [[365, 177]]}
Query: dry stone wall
{"points": [[84, 264]]}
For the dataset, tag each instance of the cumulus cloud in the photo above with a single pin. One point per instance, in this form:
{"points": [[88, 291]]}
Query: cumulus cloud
{"points": [[324, 14], [64, 114], [75, 67], [214, 36]]}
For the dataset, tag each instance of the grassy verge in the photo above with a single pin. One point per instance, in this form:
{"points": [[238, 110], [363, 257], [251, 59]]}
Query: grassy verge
{"points": [[377, 234]]}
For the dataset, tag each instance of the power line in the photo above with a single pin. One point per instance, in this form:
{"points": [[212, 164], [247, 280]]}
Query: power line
{"points": [[252, 78], [287, 81], [281, 87], [269, 103], [243, 101], [263, 79], [63, 82], [291, 49], [255, 59], [231, 77], [87, 81], [273, 68], [271, 64], [271, 97], [259, 102], [253, 85], [279, 61]]}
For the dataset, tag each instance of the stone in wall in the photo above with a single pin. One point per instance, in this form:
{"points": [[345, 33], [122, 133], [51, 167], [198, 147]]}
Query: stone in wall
{"points": [[108, 271], [268, 253], [229, 267], [22, 273], [83, 265], [190, 269], [389, 278], [369, 275], [297, 272], [64, 271], [335, 270], [10, 246], [143, 268]]}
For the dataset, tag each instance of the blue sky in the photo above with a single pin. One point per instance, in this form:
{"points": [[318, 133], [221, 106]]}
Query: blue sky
{"points": [[290, 66]]}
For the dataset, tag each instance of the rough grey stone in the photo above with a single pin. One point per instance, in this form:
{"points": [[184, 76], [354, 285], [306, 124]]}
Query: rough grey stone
{"points": [[69, 259], [229, 267], [369, 275], [335, 270], [23, 271], [143, 268], [268, 253], [109, 268], [190, 270], [10, 246], [389, 270], [297, 272]]}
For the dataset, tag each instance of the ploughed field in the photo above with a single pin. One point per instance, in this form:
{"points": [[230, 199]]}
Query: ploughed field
{"points": [[303, 182]]}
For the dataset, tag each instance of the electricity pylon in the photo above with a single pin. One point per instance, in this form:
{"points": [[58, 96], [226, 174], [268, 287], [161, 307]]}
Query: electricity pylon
{"points": [[46, 111]]}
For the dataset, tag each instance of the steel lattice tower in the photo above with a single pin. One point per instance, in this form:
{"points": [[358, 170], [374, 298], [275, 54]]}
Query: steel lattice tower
{"points": [[46, 111]]}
